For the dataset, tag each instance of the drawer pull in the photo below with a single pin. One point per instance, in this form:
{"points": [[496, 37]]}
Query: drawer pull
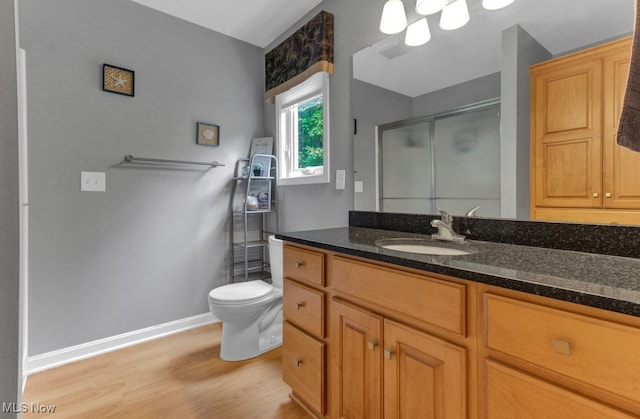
{"points": [[298, 264], [388, 353], [372, 345], [297, 362], [299, 305], [607, 195], [562, 346], [596, 194]]}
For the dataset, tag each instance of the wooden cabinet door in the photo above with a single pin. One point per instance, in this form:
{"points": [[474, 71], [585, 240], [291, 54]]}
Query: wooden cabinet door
{"points": [[424, 377], [621, 165], [567, 135], [357, 363]]}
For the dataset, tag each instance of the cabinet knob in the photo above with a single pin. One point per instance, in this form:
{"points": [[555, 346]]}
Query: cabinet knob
{"points": [[298, 263], [596, 194], [607, 195], [562, 346], [388, 353], [297, 362], [299, 305], [372, 344]]}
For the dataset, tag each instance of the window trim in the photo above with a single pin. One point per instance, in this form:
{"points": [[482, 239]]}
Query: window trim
{"points": [[318, 84]]}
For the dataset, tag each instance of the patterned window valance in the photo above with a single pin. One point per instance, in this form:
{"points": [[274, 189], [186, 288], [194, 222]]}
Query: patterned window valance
{"points": [[308, 51]]}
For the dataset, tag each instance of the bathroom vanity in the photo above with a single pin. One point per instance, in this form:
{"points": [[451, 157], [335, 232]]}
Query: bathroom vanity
{"points": [[508, 330]]}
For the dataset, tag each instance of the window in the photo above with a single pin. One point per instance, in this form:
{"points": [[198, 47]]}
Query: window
{"points": [[302, 131]]}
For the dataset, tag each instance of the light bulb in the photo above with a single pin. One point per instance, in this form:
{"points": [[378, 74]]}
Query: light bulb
{"points": [[429, 7], [455, 15], [496, 4], [393, 18], [418, 33]]}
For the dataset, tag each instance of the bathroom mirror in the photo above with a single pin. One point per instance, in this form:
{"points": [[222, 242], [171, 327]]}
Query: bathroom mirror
{"points": [[395, 84]]}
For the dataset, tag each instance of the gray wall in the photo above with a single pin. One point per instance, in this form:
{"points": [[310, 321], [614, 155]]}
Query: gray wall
{"points": [[457, 96], [9, 211], [519, 51], [148, 250], [372, 106]]}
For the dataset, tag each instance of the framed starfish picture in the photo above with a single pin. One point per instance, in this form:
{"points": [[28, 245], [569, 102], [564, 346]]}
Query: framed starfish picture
{"points": [[207, 134], [118, 80]]}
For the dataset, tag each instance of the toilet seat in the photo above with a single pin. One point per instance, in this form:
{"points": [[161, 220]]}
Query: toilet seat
{"points": [[241, 293]]}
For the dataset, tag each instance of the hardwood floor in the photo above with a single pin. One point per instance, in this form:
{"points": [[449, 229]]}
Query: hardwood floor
{"points": [[178, 376]]}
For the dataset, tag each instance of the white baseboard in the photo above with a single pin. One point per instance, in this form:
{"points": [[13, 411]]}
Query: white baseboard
{"points": [[63, 356]]}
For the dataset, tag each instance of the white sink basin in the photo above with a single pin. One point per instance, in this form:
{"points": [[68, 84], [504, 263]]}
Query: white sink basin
{"points": [[422, 246], [425, 250]]}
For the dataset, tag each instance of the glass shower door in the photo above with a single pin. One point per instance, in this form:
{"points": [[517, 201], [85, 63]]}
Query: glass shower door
{"points": [[467, 162], [406, 169]]}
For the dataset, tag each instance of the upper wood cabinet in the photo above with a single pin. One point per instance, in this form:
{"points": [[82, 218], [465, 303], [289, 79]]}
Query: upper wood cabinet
{"points": [[578, 172]]}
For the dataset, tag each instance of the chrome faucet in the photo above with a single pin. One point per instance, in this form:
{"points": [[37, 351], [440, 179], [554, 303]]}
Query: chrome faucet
{"points": [[445, 228], [473, 212]]}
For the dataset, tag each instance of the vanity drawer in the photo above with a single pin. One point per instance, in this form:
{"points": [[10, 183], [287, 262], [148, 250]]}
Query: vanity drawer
{"points": [[429, 300], [514, 394], [601, 353], [303, 366], [304, 307], [303, 265]]}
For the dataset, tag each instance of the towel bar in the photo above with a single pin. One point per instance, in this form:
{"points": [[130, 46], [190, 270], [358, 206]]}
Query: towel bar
{"points": [[131, 158]]}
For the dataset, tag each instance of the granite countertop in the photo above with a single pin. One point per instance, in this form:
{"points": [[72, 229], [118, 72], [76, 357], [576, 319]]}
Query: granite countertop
{"points": [[601, 281]]}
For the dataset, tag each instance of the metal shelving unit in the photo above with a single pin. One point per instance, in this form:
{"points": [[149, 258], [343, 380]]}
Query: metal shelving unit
{"points": [[254, 200]]}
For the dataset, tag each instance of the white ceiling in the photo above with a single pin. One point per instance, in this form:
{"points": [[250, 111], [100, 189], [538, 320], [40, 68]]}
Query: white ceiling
{"points": [[451, 57], [258, 22]]}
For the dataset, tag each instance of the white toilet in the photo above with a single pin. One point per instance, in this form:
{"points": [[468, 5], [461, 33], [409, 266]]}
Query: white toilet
{"points": [[251, 312]]}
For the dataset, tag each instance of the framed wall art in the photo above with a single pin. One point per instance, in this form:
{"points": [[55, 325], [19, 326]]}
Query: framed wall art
{"points": [[207, 134], [118, 80]]}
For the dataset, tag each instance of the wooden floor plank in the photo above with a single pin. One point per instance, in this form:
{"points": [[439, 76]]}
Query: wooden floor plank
{"points": [[178, 376]]}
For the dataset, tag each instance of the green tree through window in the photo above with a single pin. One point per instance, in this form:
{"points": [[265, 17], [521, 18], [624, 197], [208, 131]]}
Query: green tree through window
{"points": [[310, 133], [302, 131]]}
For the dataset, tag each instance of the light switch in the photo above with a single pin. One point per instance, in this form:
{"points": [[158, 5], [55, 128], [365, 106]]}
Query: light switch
{"points": [[340, 179], [358, 186], [93, 181]]}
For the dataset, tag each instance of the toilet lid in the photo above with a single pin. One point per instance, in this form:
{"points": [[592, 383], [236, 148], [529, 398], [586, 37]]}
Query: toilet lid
{"points": [[242, 292]]}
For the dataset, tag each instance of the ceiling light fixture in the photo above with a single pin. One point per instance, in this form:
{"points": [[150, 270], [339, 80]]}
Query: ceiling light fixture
{"points": [[394, 19], [496, 4], [429, 7], [454, 15], [418, 33]]}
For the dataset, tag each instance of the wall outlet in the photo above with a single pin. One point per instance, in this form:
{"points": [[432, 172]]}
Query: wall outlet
{"points": [[93, 181], [358, 186]]}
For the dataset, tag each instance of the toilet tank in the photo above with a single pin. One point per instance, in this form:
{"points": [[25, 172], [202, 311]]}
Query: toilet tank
{"points": [[275, 260]]}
